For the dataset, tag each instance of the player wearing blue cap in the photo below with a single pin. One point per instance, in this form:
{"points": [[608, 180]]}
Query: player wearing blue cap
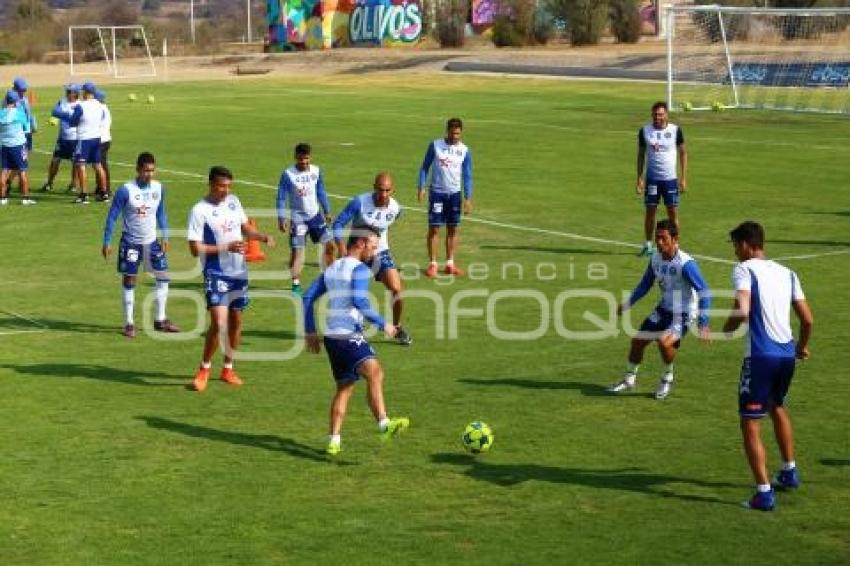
{"points": [[66, 141], [13, 146], [20, 86]]}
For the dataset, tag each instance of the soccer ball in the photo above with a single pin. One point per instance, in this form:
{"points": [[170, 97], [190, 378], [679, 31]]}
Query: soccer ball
{"points": [[477, 437], [687, 106], [132, 97], [53, 121], [717, 106], [151, 99]]}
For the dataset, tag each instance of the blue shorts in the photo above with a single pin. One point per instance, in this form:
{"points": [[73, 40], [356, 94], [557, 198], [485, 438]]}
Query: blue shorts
{"points": [[14, 158], [29, 141], [88, 151], [227, 292], [130, 256], [346, 355], [764, 384], [64, 149], [382, 261], [444, 208], [661, 322], [315, 227], [655, 190]]}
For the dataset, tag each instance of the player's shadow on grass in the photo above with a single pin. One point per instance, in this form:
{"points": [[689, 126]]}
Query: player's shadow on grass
{"points": [[560, 251], [625, 479], [588, 389], [43, 324], [265, 441], [835, 462], [100, 373]]}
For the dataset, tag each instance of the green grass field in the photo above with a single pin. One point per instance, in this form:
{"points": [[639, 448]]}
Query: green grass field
{"points": [[107, 458]]}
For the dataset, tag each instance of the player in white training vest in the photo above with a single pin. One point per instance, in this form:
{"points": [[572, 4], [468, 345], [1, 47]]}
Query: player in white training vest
{"points": [[141, 203], [105, 192], [346, 282], [217, 225], [684, 294], [378, 210], [449, 161], [300, 193], [765, 293], [66, 141], [662, 169]]}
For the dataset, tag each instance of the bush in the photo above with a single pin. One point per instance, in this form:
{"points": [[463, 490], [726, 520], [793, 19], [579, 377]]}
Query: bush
{"points": [[586, 20], [522, 23], [449, 22], [6, 57], [505, 34], [544, 25], [625, 20]]}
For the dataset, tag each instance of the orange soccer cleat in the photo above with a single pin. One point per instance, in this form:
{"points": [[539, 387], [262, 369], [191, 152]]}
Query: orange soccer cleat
{"points": [[200, 381], [229, 376], [431, 271], [450, 269]]}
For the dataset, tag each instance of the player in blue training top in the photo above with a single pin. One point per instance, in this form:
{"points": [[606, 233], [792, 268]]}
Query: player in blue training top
{"points": [[20, 86], [66, 141], [683, 291], [13, 147], [141, 203], [378, 210], [346, 282], [765, 293], [450, 164], [662, 169], [300, 193], [217, 225]]}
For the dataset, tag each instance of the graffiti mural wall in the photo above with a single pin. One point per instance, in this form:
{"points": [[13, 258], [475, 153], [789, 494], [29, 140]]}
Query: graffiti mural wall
{"points": [[324, 24]]}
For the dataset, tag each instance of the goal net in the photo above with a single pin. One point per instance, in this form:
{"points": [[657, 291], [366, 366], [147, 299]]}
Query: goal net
{"points": [[117, 51], [786, 59]]}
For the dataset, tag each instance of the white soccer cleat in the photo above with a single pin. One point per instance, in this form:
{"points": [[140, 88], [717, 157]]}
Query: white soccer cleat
{"points": [[27, 202], [626, 384], [664, 388]]}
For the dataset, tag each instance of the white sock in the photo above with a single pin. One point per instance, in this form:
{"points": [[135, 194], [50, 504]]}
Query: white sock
{"points": [[763, 488], [383, 423], [296, 281], [450, 261], [228, 365], [206, 365], [129, 303], [787, 466], [648, 243], [334, 439], [161, 298], [668, 373], [432, 262]]}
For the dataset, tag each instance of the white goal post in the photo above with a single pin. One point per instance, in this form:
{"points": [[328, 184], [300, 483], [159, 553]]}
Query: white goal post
{"points": [[732, 57], [118, 51]]}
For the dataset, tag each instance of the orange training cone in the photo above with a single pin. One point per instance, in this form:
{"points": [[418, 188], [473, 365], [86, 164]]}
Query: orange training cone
{"points": [[253, 253]]}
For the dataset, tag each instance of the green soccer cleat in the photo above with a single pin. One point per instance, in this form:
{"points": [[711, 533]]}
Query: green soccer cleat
{"points": [[395, 427], [333, 448], [296, 289]]}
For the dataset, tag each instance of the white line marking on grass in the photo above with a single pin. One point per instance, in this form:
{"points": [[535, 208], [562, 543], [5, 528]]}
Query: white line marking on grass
{"points": [[812, 256], [11, 332]]}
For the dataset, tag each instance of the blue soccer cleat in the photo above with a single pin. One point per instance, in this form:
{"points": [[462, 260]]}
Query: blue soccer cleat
{"points": [[787, 479], [762, 501]]}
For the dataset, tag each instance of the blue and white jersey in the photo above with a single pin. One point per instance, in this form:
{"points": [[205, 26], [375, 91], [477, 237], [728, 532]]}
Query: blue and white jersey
{"points": [[347, 283], [32, 125], [219, 224], [773, 287], [106, 125], [299, 194], [661, 150], [362, 211], [143, 209], [13, 122], [87, 117], [683, 289], [63, 110], [450, 167]]}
